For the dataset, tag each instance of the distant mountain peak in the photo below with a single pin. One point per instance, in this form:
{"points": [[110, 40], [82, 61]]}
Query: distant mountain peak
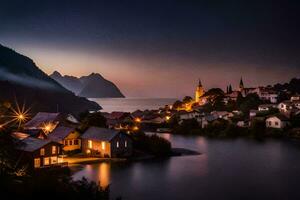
{"points": [[92, 86], [56, 73], [21, 78], [95, 75]]}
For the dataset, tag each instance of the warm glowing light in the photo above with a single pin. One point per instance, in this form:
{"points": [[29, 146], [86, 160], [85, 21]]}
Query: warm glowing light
{"points": [[48, 127], [103, 145], [104, 174], [138, 120], [168, 118], [90, 144], [20, 114], [135, 128], [88, 151]]}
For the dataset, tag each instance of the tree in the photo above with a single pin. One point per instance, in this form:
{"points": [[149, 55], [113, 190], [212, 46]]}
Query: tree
{"points": [[215, 92], [230, 89], [251, 101], [187, 99], [219, 104], [94, 119], [177, 104]]}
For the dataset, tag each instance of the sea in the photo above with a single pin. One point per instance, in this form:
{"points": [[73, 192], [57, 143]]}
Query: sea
{"points": [[132, 104]]}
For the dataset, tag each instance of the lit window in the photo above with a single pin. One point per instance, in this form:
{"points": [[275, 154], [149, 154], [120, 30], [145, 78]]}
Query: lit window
{"points": [[58, 150], [53, 149], [117, 144], [37, 163], [125, 143], [66, 142], [42, 152], [70, 142], [103, 145], [53, 160], [76, 142], [46, 161], [90, 144]]}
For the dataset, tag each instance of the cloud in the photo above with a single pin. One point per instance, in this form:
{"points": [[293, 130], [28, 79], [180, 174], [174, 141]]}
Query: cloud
{"points": [[25, 80]]}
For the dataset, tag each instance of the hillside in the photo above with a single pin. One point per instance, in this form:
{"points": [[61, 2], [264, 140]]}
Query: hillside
{"points": [[91, 86], [21, 79]]}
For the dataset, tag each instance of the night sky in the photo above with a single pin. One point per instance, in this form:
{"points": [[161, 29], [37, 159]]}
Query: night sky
{"points": [[158, 48]]}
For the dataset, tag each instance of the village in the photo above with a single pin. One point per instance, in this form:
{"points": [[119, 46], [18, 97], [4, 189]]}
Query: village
{"points": [[49, 140]]}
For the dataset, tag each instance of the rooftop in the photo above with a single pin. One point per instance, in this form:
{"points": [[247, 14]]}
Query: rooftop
{"points": [[31, 144], [60, 133], [40, 118], [97, 133]]}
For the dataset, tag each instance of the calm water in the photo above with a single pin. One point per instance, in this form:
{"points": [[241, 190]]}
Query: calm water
{"points": [[227, 169], [132, 104]]}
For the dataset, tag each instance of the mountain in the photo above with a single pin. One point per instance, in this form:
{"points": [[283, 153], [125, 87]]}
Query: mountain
{"points": [[22, 80], [91, 86], [69, 82]]}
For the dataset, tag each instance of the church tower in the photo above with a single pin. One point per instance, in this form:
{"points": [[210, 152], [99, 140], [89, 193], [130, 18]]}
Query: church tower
{"points": [[199, 92], [241, 87]]}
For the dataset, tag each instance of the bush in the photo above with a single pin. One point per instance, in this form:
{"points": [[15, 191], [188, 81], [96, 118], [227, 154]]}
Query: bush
{"points": [[152, 144]]}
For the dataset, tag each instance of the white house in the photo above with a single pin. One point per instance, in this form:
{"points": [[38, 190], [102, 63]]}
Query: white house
{"points": [[184, 115], [266, 107], [296, 104], [285, 106], [295, 98], [278, 121], [221, 114], [253, 113]]}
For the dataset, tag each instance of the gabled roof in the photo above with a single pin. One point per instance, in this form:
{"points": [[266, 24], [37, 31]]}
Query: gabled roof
{"points": [[31, 144], [60, 133], [287, 102], [40, 118], [267, 105], [137, 113], [279, 116], [19, 135], [116, 115], [96, 133]]}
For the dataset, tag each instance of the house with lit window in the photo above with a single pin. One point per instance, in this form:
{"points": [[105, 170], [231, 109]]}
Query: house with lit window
{"points": [[67, 136], [38, 153], [46, 122], [104, 142], [277, 121], [115, 119]]}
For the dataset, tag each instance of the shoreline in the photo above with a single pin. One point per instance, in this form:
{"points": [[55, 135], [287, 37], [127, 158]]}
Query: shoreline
{"points": [[175, 152]]}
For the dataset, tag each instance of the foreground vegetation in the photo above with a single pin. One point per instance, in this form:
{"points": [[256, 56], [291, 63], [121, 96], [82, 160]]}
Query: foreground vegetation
{"points": [[151, 144], [17, 182], [224, 129]]}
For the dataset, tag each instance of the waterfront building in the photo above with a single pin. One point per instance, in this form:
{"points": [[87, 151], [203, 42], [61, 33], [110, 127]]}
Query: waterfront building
{"points": [[104, 142], [199, 93], [277, 121], [68, 137], [38, 153]]}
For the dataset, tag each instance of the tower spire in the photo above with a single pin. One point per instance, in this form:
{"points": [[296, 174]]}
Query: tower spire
{"points": [[241, 82], [200, 84]]}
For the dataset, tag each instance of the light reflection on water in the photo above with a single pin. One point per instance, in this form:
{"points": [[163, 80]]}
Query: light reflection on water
{"points": [[226, 169]]}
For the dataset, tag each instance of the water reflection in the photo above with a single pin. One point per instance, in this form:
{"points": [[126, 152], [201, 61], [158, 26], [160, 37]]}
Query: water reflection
{"points": [[226, 169], [104, 174], [100, 173]]}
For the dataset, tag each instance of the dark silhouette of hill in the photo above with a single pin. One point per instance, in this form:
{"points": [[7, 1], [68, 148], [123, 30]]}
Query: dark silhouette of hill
{"points": [[91, 86], [21, 79]]}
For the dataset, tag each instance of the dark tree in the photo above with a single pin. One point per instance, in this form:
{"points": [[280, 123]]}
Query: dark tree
{"points": [[94, 119], [187, 99], [177, 104]]}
